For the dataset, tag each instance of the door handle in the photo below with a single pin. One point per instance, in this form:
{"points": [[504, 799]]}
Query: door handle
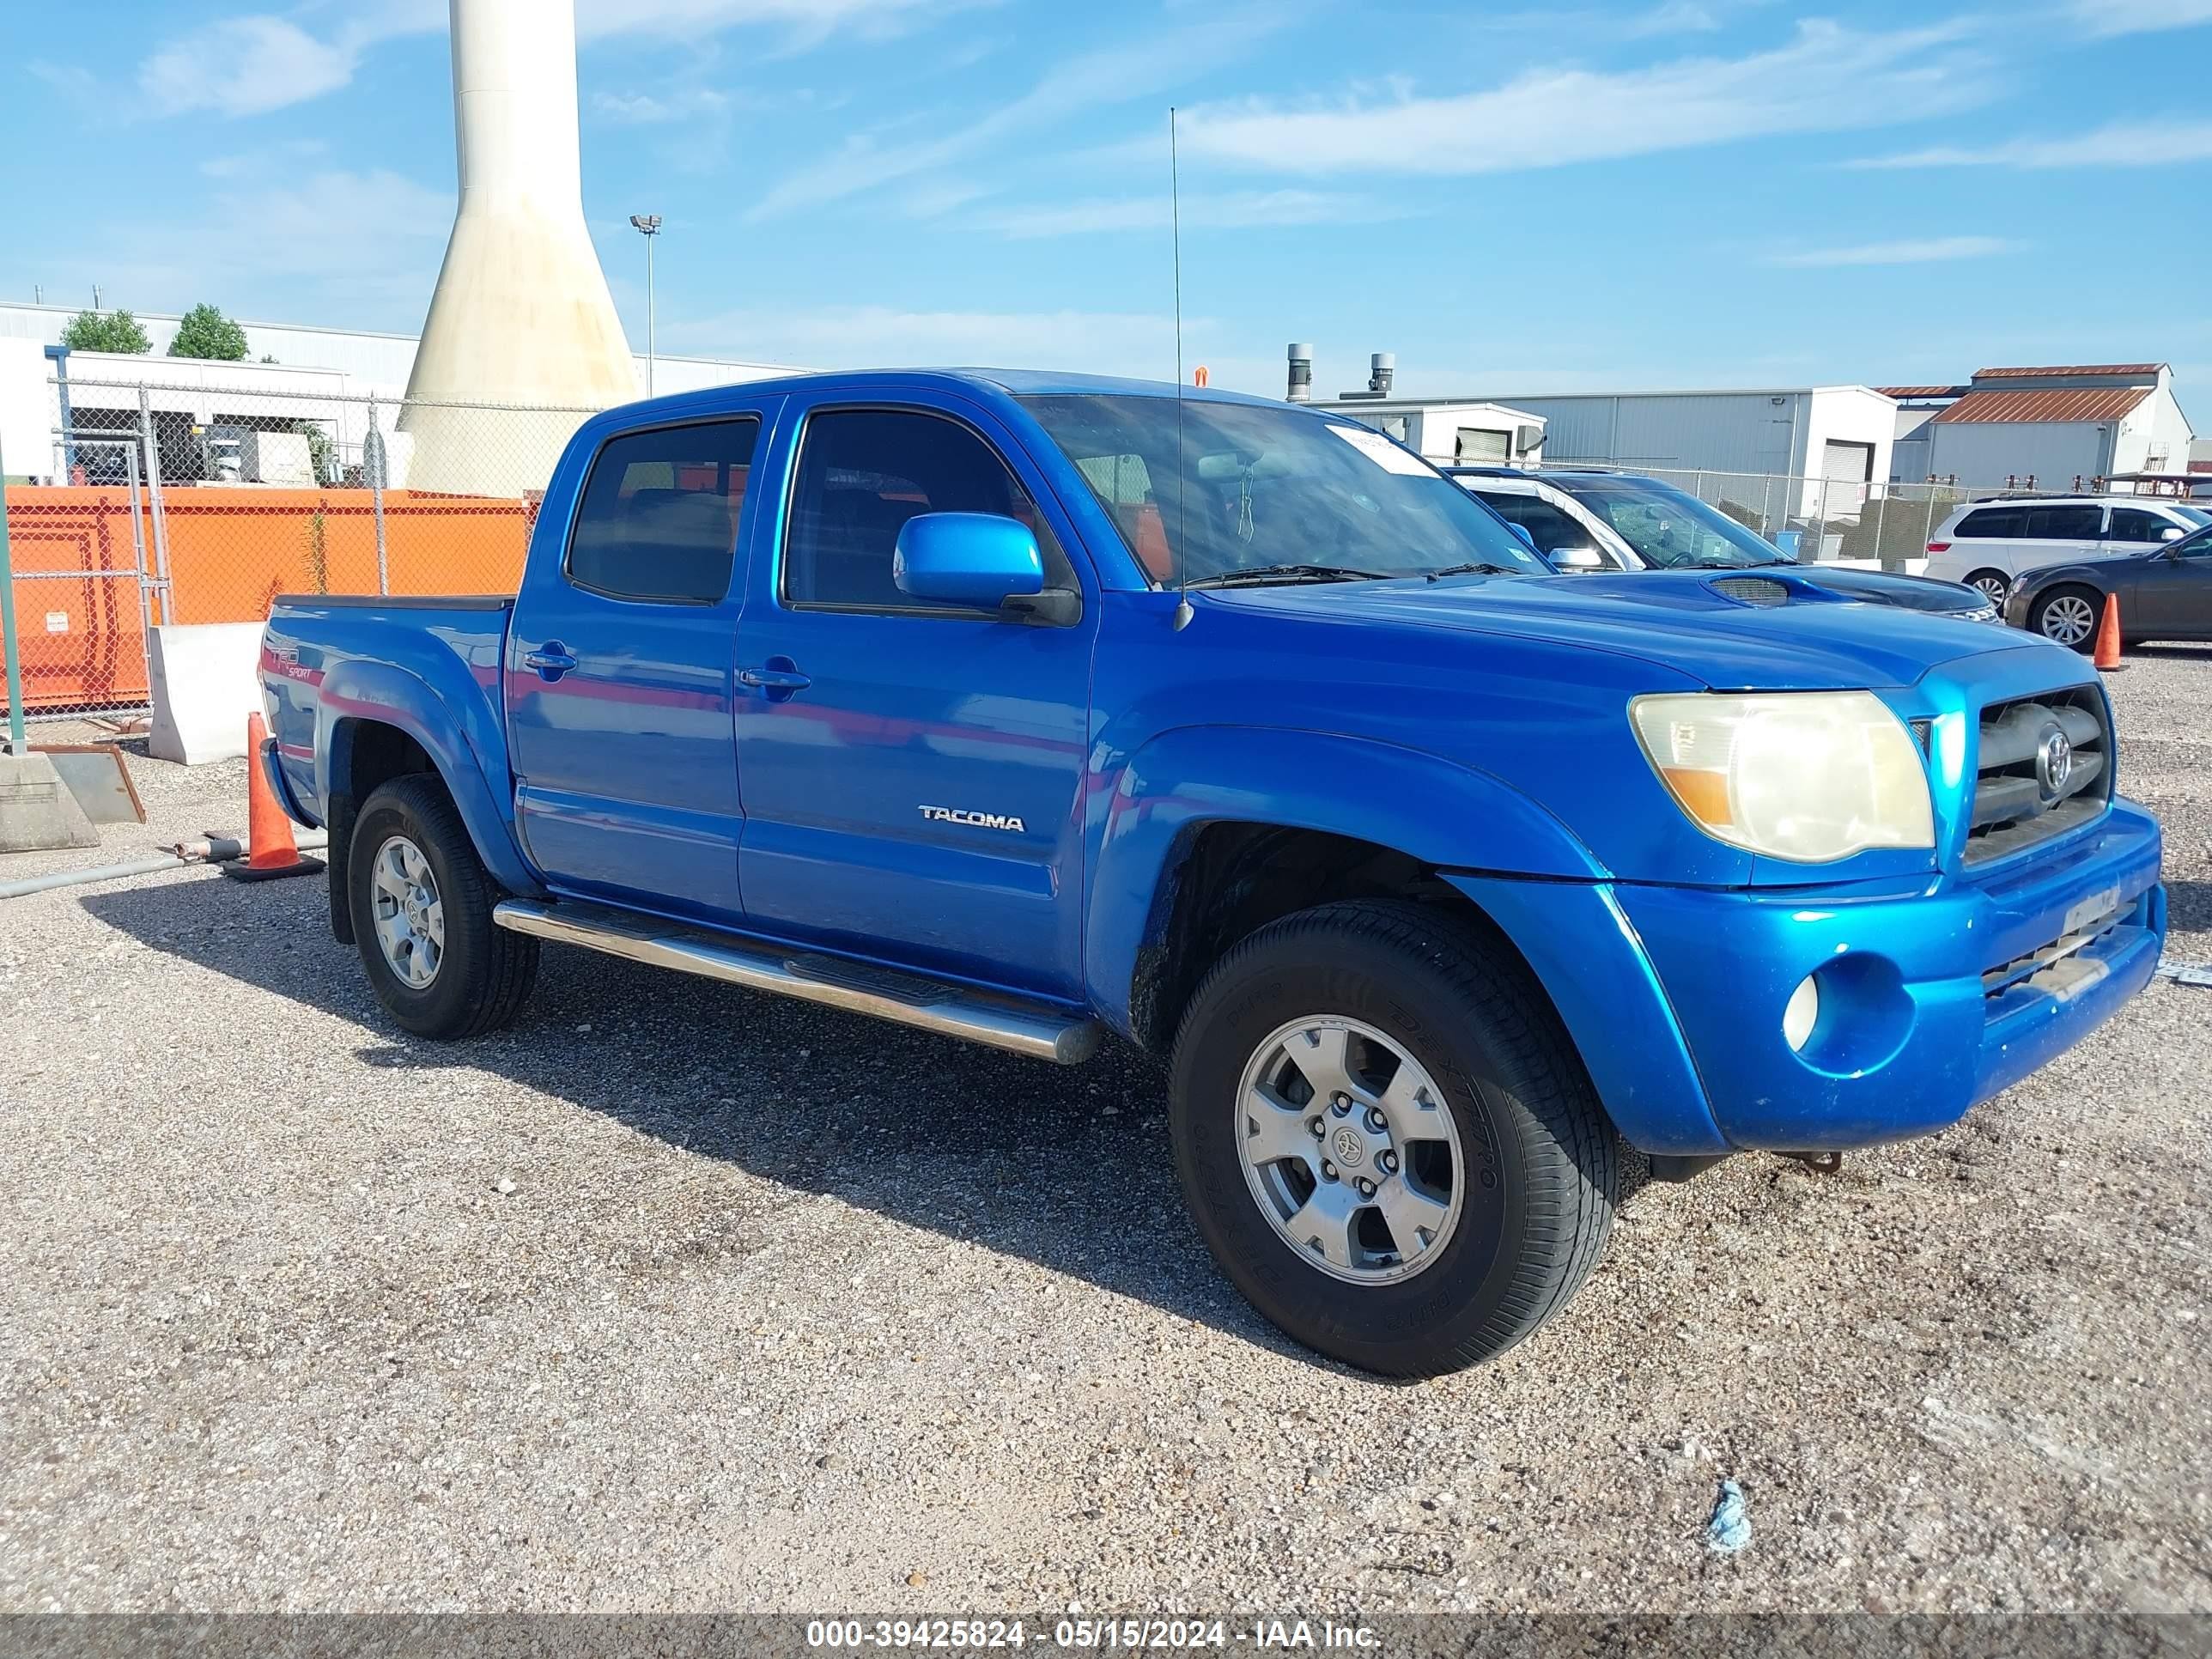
{"points": [[551, 660], [777, 674]]}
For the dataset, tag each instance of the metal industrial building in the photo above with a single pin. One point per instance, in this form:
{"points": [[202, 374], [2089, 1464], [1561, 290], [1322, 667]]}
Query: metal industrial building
{"points": [[1825, 434], [2068, 427]]}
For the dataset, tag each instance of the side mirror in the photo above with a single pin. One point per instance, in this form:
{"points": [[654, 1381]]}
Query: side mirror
{"points": [[2172, 532], [1577, 558], [974, 560], [1525, 534]]}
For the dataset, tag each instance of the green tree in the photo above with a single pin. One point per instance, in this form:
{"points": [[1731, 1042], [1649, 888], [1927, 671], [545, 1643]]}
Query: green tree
{"points": [[106, 331], [206, 332]]}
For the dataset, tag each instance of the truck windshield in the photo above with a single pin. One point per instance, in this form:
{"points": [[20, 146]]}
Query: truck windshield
{"points": [[1286, 495], [1671, 528]]}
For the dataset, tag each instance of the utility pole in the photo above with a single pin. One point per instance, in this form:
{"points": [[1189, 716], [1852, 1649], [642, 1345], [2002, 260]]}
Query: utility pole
{"points": [[648, 225]]}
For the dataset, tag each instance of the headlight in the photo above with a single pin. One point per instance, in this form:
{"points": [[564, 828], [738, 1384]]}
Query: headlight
{"points": [[1809, 776], [1987, 613]]}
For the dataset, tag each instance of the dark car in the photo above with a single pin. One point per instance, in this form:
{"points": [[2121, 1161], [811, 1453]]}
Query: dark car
{"points": [[1583, 520], [2164, 593]]}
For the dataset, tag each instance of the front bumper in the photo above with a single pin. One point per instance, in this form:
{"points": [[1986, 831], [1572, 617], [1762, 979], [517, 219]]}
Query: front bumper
{"points": [[1936, 993]]}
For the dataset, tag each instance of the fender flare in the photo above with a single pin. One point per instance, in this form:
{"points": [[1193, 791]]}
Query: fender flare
{"points": [[384, 695], [1438, 812]]}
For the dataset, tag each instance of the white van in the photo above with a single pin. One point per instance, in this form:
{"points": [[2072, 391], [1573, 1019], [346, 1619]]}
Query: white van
{"points": [[1987, 543]]}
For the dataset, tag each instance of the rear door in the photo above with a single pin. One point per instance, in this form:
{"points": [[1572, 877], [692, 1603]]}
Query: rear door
{"points": [[913, 773], [619, 673], [2062, 534]]}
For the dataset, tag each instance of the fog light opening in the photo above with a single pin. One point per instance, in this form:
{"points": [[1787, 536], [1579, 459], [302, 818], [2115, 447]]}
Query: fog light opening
{"points": [[1803, 1014]]}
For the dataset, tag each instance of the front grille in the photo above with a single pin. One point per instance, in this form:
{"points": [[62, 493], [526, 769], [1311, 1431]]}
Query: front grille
{"points": [[2045, 769], [2059, 968]]}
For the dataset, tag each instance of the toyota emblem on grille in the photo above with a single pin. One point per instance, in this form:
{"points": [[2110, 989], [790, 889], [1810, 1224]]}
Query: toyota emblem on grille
{"points": [[2054, 763]]}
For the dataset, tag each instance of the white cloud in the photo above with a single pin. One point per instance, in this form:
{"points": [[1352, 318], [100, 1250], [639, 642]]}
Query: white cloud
{"points": [[276, 232], [1229, 210], [2152, 143], [639, 109], [886, 335], [809, 22], [1828, 78], [252, 64], [1931, 251], [243, 66], [1116, 75], [1670, 17], [2110, 17]]}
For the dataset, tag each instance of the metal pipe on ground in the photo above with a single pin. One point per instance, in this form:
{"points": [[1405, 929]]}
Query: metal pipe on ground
{"points": [[214, 850]]}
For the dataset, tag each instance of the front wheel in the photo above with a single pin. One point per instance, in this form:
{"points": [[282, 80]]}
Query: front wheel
{"points": [[421, 904], [2067, 615], [1386, 1140]]}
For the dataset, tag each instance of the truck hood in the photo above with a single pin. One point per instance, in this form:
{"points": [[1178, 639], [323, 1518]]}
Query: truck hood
{"points": [[1911, 593], [1801, 638]]}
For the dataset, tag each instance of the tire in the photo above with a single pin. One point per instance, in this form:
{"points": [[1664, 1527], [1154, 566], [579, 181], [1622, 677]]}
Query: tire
{"points": [[1994, 584], [482, 973], [1538, 1166], [2055, 614]]}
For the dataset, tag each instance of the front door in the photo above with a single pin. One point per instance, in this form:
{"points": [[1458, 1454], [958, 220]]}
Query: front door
{"points": [[2173, 598], [619, 689], [912, 773]]}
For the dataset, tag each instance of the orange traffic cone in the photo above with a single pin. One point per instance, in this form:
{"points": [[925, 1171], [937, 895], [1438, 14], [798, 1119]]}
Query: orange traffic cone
{"points": [[270, 850], [2108, 636]]}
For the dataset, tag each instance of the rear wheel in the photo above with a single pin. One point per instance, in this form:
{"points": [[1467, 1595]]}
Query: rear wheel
{"points": [[2068, 616], [420, 901], [1386, 1140], [1994, 584]]}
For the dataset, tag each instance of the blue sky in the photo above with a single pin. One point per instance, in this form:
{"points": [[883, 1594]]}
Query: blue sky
{"points": [[1667, 192]]}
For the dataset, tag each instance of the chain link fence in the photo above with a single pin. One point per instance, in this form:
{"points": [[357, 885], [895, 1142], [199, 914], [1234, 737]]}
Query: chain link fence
{"points": [[162, 504], [1826, 519]]}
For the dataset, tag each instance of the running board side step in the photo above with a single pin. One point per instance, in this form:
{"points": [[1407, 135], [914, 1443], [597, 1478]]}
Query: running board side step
{"points": [[1039, 1032]]}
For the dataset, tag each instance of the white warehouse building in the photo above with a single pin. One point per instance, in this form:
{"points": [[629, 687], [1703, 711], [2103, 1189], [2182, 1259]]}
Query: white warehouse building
{"points": [[1826, 435]]}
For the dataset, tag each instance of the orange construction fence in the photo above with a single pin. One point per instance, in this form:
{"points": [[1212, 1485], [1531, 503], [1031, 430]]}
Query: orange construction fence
{"points": [[232, 549]]}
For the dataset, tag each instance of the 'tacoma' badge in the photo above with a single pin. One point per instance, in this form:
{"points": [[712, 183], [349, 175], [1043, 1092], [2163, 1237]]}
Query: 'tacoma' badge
{"points": [[973, 820]]}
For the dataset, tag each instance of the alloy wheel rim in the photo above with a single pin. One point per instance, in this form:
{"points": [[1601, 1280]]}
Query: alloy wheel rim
{"points": [[411, 916], [1349, 1150], [2067, 619], [1994, 587]]}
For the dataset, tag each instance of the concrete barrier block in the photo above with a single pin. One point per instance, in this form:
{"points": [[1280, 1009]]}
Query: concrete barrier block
{"points": [[37, 811], [205, 685]]}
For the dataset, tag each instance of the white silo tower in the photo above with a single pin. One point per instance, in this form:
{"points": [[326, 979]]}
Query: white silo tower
{"points": [[521, 314]]}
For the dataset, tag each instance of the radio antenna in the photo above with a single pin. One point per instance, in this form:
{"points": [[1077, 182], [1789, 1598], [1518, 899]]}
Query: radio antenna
{"points": [[1182, 611]]}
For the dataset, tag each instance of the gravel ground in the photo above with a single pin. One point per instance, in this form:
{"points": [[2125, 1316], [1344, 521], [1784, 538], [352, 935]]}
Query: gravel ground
{"points": [[678, 1297]]}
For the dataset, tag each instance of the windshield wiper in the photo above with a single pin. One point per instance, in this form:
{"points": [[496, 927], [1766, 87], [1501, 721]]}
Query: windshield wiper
{"points": [[1473, 570], [1261, 575]]}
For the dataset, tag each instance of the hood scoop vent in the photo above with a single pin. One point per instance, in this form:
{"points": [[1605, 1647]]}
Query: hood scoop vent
{"points": [[1764, 590], [1752, 590]]}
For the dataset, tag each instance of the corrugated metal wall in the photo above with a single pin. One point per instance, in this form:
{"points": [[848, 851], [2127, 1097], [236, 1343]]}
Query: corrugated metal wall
{"points": [[1723, 432], [2052, 452]]}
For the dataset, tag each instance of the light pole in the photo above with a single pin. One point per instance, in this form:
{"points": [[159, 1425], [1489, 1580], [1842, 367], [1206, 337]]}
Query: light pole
{"points": [[648, 225]]}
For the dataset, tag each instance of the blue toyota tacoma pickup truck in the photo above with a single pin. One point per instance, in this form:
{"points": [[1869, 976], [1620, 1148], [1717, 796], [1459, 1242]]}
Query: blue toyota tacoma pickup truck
{"points": [[1027, 709]]}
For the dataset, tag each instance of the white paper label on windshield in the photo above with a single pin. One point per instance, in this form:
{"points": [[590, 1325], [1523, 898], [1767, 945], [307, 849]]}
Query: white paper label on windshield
{"points": [[1381, 450]]}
